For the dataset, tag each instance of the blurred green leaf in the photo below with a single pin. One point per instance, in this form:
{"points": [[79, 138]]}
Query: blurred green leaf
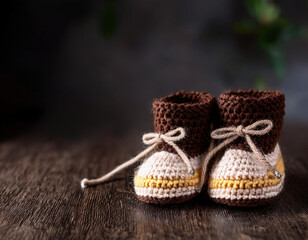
{"points": [[263, 10], [272, 39], [108, 19], [271, 31], [244, 27], [276, 57], [291, 30], [260, 83]]}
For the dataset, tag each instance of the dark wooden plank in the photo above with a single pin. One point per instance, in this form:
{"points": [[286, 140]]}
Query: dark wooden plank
{"points": [[40, 196]]}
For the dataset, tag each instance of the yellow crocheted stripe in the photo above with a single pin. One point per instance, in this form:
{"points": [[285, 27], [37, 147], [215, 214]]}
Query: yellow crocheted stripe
{"points": [[269, 180], [166, 183]]}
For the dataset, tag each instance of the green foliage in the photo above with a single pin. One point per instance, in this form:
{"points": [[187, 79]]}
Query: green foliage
{"points": [[270, 31], [263, 10], [260, 83], [108, 19]]}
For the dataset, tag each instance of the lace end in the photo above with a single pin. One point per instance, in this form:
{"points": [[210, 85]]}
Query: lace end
{"points": [[199, 189], [83, 183]]}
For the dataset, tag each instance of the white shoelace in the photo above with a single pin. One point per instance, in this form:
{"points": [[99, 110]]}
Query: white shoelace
{"points": [[151, 139]]}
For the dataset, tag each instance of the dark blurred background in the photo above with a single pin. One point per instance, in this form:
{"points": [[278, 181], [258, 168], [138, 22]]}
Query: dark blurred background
{"points": [[78, 68]]}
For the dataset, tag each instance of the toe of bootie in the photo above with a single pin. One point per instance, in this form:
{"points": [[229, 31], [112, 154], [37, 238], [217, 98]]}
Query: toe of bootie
{"points": [[163, 178], [238, 179]]}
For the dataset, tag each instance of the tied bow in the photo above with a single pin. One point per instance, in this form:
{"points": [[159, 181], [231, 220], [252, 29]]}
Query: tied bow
{"points": [[230, 134], [170, 138], [152, 140]]}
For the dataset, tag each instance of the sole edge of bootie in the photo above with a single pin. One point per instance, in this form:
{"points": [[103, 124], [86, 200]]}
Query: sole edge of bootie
{"points": [[246, 203], [165, 201], [250, 202]]}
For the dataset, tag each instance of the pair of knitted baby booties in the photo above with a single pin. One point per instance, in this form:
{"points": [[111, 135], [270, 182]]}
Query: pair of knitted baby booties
{"points": [[227, 147]]}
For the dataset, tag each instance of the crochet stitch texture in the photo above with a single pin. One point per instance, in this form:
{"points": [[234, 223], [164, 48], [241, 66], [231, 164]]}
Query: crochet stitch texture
{"points": [[238, 178], [163, 177]]}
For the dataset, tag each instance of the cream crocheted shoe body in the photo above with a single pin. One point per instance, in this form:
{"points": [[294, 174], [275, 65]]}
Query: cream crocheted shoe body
{"points": [[238, 178], [163, 177]]}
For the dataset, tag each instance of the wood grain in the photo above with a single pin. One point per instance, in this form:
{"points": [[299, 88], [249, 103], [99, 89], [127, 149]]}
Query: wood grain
{"points": [[41, 198]]}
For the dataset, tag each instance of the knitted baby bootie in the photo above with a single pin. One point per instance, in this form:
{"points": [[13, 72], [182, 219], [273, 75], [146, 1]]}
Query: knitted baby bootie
{"points": [[250, 171], [164, 177], [171, 172]]}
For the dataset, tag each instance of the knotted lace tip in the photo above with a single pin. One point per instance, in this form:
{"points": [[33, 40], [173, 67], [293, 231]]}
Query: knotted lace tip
{"points": [[192, 171], [277, 174], [83, 184]]}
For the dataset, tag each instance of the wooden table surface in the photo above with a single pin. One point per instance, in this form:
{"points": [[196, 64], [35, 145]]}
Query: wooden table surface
{"points": [[41, 198]]}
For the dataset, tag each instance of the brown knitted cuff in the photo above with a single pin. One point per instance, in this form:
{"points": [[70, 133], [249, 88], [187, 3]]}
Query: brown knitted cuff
{"points": [[246, 107], [194, 111]]}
